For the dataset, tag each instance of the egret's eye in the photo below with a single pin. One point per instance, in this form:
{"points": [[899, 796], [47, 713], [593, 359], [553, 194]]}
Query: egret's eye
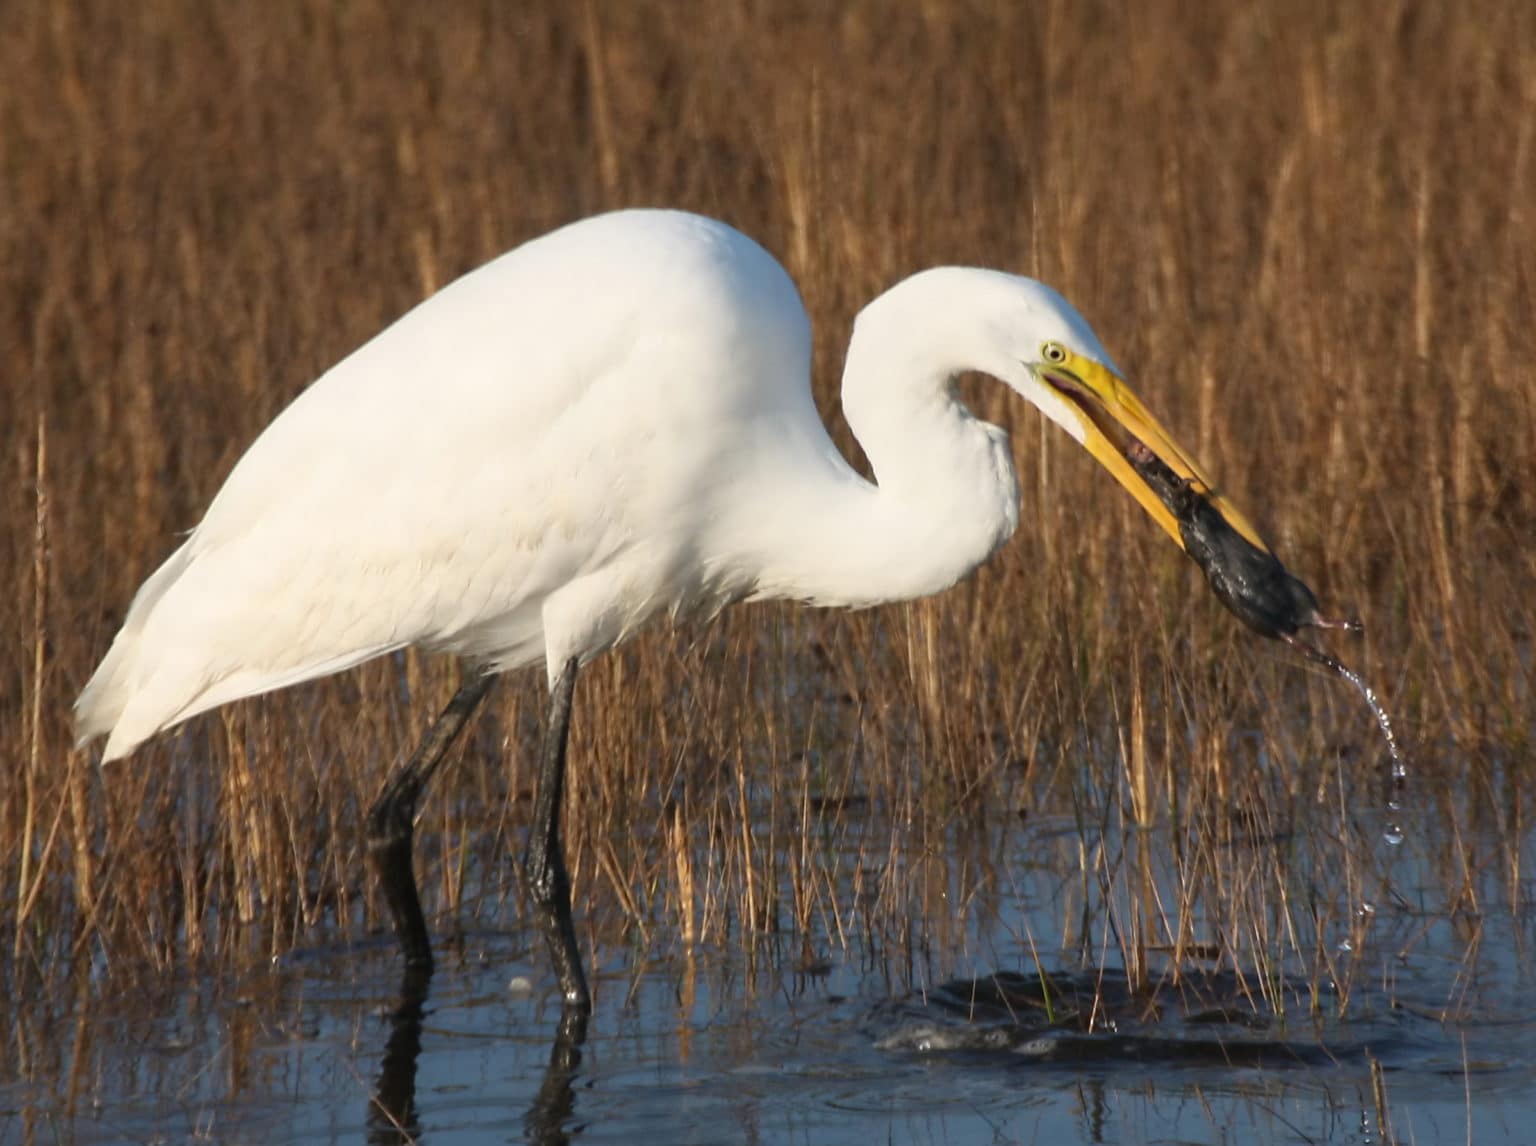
{"points": [[1054, 353]]}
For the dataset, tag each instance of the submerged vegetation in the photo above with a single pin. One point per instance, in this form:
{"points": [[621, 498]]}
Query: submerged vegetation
{"points": [[1309, 240]]}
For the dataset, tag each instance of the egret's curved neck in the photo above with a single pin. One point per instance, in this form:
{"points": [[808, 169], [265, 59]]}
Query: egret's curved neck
{"points": [[945, 495]]}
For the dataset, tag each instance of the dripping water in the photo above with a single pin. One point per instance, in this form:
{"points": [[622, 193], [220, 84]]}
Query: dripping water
{"points": [[1397, 773]]}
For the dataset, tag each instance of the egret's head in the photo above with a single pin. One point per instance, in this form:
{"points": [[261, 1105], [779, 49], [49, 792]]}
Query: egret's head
{"points": [[952, 319], [1058, 364]]}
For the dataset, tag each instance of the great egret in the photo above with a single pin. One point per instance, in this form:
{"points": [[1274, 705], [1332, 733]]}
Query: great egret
{"points": [[609, 422]]}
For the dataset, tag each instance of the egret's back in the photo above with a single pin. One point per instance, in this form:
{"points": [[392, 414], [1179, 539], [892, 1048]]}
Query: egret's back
{"points": [[524, 460]]}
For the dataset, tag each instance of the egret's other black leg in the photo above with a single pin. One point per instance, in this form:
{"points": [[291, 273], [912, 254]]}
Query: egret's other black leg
{"points": [[392, 821], [544, 859]]}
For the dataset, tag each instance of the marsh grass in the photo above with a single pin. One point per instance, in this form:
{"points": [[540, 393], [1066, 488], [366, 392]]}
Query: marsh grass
{"points": [[1310, 241]]}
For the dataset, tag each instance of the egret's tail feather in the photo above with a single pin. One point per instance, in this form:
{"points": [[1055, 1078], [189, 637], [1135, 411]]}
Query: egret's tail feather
{"points": [[173, 659], [118, 679], [101, 703]]}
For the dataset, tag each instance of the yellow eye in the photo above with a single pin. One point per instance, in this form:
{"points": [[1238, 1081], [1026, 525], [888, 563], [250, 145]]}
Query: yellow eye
{"points": [[1054, 353]]}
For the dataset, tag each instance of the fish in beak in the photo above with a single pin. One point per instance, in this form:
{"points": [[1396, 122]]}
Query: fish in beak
{"points": [[1128, 441]]}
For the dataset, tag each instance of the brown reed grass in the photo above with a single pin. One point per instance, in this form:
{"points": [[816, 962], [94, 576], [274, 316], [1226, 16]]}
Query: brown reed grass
{"points": [[1309, 239]]}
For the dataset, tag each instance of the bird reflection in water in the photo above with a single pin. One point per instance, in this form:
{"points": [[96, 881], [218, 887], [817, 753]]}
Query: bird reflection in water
{"points": [[393, 1118]]}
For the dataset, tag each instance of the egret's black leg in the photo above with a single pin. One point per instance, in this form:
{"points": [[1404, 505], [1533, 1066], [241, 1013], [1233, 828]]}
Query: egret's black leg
{"points": [[392, 821], [544, 859], [545, 1122]]}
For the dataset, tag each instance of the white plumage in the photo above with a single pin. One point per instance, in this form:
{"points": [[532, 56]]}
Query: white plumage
{"points": [[608, 422]]}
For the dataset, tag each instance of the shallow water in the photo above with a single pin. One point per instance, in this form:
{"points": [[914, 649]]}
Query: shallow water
{"points": [[735, 1044]]}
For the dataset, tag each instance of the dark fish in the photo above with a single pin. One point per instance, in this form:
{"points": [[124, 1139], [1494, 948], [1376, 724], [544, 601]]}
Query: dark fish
{"points": [[1248, 580]]}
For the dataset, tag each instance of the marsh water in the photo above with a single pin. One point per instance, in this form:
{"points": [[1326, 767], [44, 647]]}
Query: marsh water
{"points": [[1014, 1020]]}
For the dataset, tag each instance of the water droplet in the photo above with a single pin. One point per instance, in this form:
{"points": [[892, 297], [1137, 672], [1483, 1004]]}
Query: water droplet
{"points": [[1366, 909], [1345, 946], [1393, 834]]}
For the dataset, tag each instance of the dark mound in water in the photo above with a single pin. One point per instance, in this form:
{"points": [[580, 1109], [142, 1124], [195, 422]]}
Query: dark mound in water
{"points": [[1096, 1018]]}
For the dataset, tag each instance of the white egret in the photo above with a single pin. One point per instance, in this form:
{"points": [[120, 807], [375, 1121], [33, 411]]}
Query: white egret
{"points": [[610, 422]]}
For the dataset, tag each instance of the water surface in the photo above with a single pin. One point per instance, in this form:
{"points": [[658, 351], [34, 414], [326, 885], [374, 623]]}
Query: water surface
{"points": [[772, 1041]]}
